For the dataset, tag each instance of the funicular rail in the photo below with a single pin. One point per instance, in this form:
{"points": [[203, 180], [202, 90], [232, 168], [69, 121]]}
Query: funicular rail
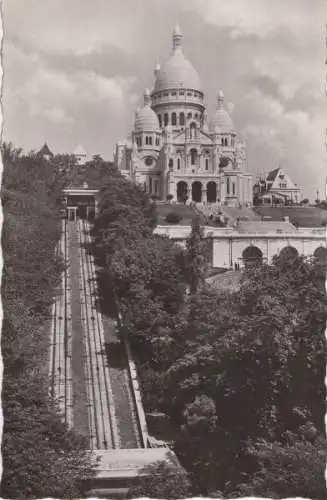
{"points": [[111, 419], [124, 415], [60, 343], [103, 426]]}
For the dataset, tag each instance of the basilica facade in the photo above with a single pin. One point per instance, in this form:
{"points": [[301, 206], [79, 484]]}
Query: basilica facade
{"points": [[174, 151]]}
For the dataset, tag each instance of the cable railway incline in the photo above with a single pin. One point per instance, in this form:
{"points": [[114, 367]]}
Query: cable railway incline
{"points": [[88, 370], [60, 369]]}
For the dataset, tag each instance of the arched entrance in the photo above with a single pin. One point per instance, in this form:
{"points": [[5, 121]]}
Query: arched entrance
{"points": [[211, 192], [197, 192], [181, 192], [252, 256], [288, 252], [321, 255]]}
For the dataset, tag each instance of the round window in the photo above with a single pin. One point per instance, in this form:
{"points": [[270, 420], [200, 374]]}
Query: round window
{"points": [[148, 161]]}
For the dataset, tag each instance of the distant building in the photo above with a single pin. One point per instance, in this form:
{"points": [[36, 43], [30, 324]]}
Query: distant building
{"points": [[80, 155], [45, 152], [276, 188], [174, 151]]}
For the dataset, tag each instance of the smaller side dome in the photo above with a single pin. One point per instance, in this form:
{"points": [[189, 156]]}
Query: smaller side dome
{"points": [[146, 119], [222, 122]]}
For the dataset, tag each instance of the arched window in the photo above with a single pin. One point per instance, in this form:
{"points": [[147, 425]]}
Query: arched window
{"points": [[150, 185], [193, 156], [173, 119], [222, 141], [228, 185], [226, 141], [171, 163], [178, 163], [159, 118], [211, 192], [166, 119], [150, 141], [146, 140], [182, 119], [233, 185], [207, 163], [189, 115], [193, 130], [157, 141]]}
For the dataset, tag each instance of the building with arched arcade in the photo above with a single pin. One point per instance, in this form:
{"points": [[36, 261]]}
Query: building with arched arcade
{"points": [[173, 151], [234, 248]]}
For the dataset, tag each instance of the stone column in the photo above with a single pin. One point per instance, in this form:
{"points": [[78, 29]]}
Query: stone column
{"points": [[222, 190], [204, 194], [189, 192]]}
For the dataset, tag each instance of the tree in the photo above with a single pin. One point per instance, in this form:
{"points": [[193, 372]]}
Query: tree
{"points": [[162, 480], [41, 457], [173, 218], [295, 469], [196, 261], [237, 373], [261, 350]]}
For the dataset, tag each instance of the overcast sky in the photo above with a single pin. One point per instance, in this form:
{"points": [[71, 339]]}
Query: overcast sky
{"points": [[75, 70]]}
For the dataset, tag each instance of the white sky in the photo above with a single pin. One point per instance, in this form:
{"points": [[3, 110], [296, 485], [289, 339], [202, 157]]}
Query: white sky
{"points": [[75, 71]]}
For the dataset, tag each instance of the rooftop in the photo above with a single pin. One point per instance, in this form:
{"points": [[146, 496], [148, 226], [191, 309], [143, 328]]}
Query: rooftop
{"points": [[45, 150], [131, 462], [177, 72], [265, 227]]}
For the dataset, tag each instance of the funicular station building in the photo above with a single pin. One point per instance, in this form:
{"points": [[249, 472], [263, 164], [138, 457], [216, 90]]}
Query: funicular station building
{"points": [[80, 202]]}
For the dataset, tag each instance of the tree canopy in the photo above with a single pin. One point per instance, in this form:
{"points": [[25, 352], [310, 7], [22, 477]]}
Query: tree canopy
{"points": [[41, 458], [239, 374]]}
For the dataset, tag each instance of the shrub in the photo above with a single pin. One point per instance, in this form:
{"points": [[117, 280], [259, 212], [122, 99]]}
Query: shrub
{"points": [[173, 218]]}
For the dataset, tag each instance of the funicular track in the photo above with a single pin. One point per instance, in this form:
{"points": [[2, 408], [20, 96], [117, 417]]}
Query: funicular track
{"points": [[124, 416], [111, 418], [102, 421], [60, 374]]}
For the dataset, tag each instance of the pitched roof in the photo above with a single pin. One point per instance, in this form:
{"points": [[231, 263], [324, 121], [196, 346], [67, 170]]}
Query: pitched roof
{"points": [[45, 150], [273, 174]]}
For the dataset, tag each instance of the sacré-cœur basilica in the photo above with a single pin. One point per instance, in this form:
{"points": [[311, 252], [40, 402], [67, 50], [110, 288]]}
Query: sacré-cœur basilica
{"points": [[174, 152]]}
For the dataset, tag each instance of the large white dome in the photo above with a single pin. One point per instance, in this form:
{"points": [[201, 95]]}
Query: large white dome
{"points": [[222, 122], [177, 72], [146, 119]]}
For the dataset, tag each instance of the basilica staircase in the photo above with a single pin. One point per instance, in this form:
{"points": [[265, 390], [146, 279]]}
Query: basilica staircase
{"points": [[226, 214]]}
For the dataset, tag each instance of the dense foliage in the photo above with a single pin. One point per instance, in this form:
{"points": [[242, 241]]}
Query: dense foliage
{"points": [[40, 457], [240, 375], [162, 480], [173, 218]]}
